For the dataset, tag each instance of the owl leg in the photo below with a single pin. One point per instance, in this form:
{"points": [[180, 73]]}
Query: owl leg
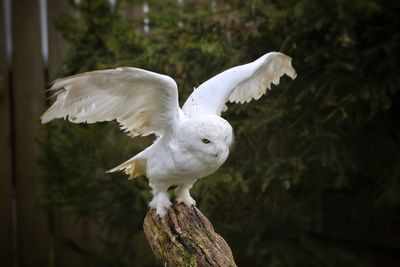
{"points": [[160, 201], [183, 195]]}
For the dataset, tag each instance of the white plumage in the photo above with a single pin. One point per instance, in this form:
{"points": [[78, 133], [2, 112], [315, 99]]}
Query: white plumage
{"points": [[192, 142]]}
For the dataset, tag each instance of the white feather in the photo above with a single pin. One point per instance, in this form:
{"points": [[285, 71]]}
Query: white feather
{"points": [[143, 102], [239, 84]]}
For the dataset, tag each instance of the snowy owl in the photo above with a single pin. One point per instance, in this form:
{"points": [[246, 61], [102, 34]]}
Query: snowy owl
{"points": [[192, 142]]}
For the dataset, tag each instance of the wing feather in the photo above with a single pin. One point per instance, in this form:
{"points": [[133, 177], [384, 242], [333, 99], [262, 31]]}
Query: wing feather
{"points": [[143, 102], [239, 84]]}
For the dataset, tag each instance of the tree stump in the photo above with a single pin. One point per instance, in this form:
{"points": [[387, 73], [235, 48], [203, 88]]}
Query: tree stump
{"points": [[185, 237]]}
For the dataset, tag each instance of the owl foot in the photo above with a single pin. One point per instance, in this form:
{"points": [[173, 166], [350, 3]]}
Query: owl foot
{"points": [[187, 200], [183, 195], [160, 203]]}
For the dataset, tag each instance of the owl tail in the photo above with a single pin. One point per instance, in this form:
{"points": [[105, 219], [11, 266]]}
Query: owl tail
{"points": [[133, 167]]}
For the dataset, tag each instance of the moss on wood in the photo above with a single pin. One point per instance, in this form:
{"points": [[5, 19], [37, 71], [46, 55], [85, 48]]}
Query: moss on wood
{"points": [[185, 237]]}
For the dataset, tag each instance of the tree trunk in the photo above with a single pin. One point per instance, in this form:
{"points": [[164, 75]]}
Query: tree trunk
{"points": [[185, 237]]}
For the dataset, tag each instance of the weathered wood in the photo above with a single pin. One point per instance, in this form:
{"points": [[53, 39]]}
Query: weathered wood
{"points": [[185, 237], [6, 236], [28, 88]]}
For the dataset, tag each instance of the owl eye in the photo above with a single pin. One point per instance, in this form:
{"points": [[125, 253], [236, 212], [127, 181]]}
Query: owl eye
{"points": [[205, 141]]}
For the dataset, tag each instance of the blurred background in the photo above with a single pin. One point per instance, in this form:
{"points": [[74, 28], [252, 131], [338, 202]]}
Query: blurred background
{"points": [[313, 178]]}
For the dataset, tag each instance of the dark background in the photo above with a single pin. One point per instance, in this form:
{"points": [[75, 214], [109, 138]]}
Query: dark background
{"points": [[314, 175]]}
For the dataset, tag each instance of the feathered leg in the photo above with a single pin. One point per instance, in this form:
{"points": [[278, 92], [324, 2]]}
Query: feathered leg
{"points": [[160, 200], [183, 195]]}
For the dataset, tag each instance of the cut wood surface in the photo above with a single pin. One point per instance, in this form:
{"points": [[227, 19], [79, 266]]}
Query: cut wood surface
{"points": [[185, 237]]}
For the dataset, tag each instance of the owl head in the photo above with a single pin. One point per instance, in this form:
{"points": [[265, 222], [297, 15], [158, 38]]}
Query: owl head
{"points": [[207, 137]]}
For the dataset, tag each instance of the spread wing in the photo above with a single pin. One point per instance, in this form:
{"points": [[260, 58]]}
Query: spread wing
{"points": [[143, 102], [239, 84]]}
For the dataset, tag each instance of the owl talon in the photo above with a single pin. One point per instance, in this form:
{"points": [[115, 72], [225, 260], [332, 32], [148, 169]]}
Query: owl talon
{"points": [[183, 195], [188, 201], [160, 203]]}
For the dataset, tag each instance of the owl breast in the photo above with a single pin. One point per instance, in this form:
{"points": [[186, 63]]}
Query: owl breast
{"points": [[199, 147], [178, 167], [198, 163]]}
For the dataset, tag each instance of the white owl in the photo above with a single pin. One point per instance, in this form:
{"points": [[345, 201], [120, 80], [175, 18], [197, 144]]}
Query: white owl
{"points": [[192, 142]]}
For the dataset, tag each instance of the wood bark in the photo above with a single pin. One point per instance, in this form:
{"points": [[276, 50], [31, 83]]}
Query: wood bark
{"points": [[185, 237]]}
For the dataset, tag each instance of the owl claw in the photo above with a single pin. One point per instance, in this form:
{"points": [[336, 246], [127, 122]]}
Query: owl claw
{"points": [[187, 200], [161, 211], [183, 195], [160, 203]]}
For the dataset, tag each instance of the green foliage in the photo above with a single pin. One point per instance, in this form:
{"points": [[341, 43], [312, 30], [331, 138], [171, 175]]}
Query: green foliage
{"points": [[313, 179]]}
